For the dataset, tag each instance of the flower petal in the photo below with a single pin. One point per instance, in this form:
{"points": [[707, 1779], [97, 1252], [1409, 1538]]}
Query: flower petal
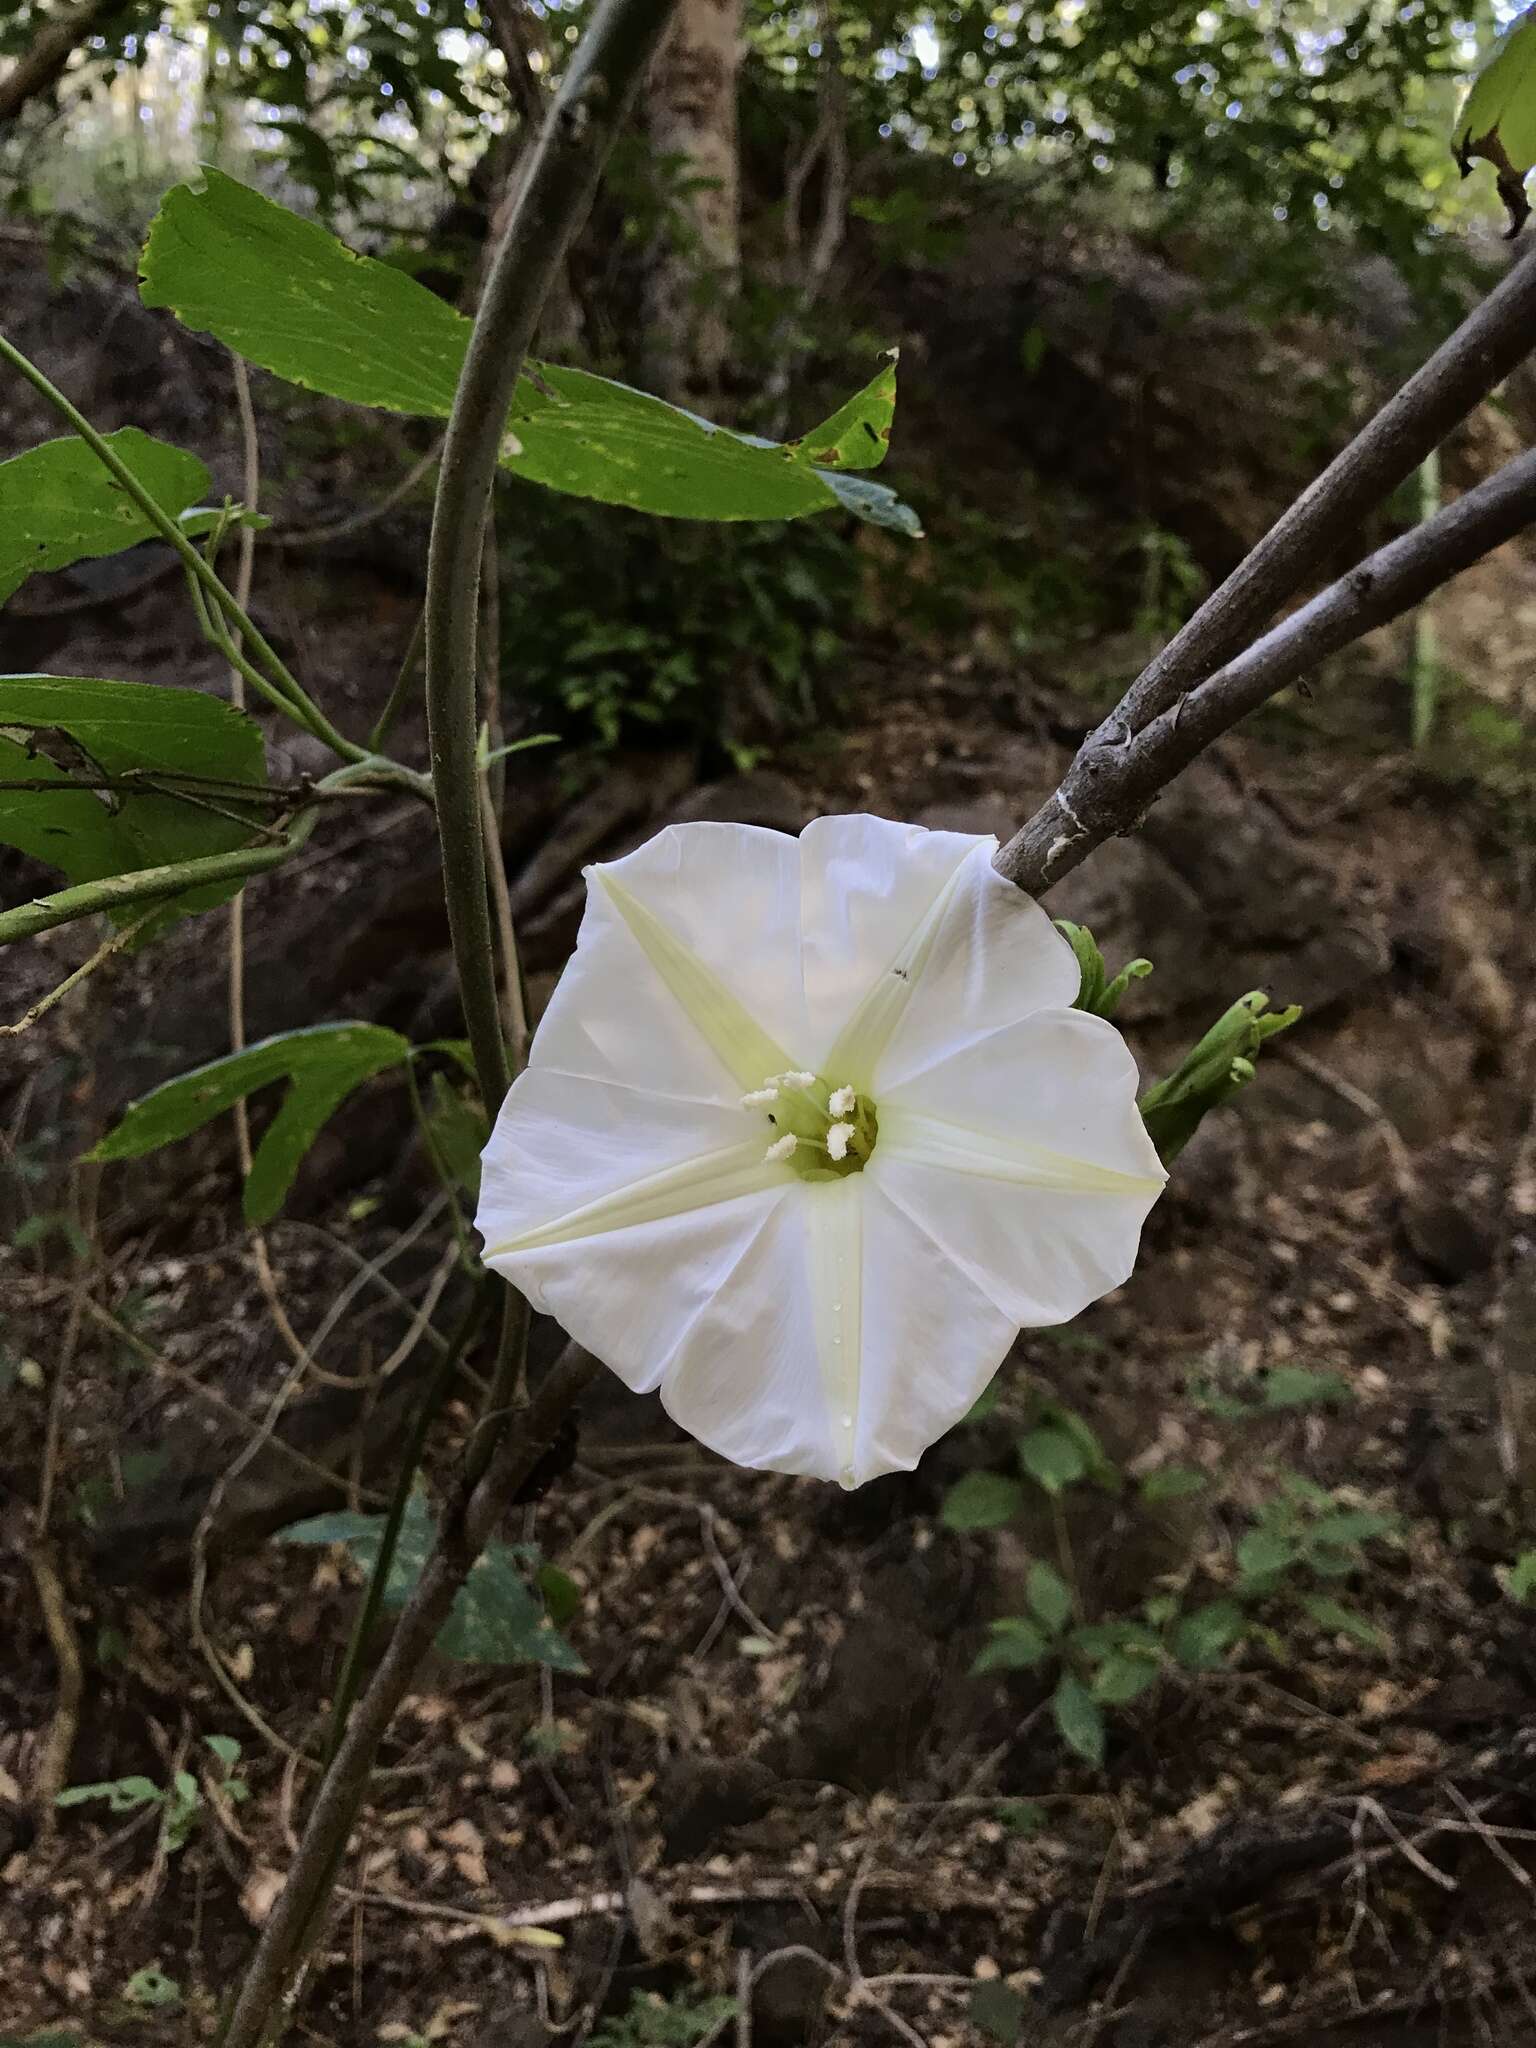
{"points": [[931, 1339], [914, 944], [715, 910], [842, 1344], [867, 886], [1025, 1157]]}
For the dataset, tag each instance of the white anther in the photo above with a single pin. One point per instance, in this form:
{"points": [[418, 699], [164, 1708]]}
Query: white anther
{"points": [[837, 1140], [799, 1080], [842, 1102], [760, 1098], [782, 1148]]}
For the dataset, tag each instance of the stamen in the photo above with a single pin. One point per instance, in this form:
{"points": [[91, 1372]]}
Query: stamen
{"points": [[795, 1080], [782, 1148], [761, 1097], [837, 1140], [842, 1101]]}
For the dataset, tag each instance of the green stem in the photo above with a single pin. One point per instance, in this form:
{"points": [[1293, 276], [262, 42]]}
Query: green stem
{"points": [[291, 695], [401, 690], [117, 892], [432, 1399], [554, 193]]}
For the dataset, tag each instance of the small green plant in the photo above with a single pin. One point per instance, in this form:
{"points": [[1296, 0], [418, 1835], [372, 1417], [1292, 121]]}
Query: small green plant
{"points": [[1303, 1536], [180, 1801], [655, 2022]]}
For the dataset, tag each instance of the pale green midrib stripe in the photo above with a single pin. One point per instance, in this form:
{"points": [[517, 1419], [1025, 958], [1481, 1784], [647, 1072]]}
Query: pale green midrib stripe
{"points": [[863, 1039], [954, 1148], [730, 1031], [700, 1183]]}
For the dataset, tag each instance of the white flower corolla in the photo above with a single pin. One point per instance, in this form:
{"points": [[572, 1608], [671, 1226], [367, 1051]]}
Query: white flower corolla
{"points": [[809, 1131]]}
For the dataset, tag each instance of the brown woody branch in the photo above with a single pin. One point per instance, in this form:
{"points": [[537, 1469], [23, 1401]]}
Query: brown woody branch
{"points": [[1115, 776], [1484, 349]]}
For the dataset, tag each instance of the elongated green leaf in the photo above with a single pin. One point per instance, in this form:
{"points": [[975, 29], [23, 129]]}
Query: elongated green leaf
{"points": [[59, 504], [495, 1618], [290, 297], [1049, 1597], [68, 731], [287, 295], [1078, 1716], [322, 1065]]}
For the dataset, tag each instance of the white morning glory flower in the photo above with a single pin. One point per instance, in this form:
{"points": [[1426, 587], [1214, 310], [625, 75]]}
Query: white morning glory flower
{"points": [[809, 1131]]}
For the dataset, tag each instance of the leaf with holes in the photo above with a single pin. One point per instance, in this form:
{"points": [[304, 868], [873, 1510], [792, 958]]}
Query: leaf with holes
{"points": [[858, 434], [185, 757], [322, 1066], [495, 1618], [59, 504], [289, 296]]}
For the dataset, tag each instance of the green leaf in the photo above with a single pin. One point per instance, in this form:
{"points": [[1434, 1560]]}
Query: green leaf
{"points": [[495, 1619], [1123, 1677], [289, 296], [225, 1748], [1022, 1816], [1016, 1645], [66, 730], [123, 1795], [286, 294], [59, 504], [562, 1595], [1263, 1551], [1202, 1638], [1049, 1597], [1171, 1482], [322, 1064], [1497, 121], [593, 438], [858, 434], [981, 1500], [1052, 1458], [1078, 1716], [458, 1129], [1520, 1580], [1292, 1386], [1349, 1527], [998, 2011], [151, 1987], [1340, 1620]]}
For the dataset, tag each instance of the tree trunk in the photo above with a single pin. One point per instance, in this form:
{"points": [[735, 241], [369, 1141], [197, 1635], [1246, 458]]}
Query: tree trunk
{"points": [[691, 112]]}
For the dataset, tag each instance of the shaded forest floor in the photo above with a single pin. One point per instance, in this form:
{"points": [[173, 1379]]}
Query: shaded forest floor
{"points": [[778, 1781]]}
